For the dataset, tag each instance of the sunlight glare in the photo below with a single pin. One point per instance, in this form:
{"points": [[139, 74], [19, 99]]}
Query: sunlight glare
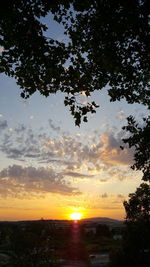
{"points": [[76, 216]]}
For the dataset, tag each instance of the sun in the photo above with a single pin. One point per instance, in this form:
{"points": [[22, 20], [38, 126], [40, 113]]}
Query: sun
{"points": [[76, 216]]}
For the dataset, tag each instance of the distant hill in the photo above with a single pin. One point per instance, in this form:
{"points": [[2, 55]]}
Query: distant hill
{"points": [[104, 220], [101, 220]]}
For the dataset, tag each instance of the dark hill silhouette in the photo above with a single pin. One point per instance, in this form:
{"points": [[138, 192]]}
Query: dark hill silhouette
{"points": [[103, 220]]}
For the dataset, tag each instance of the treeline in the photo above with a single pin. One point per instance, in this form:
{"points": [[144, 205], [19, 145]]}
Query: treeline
{"points": [[28, 244]]}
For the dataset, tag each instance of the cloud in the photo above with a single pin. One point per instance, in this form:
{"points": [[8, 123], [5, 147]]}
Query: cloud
{"points": [[103, 180], [20, 129], [121, 115], [70, 155], [78, 175], [3, 124], [17, 208], [20, 144], [31, 117], [54, 127], [104, 195], [121, 196], [119, 173], [111, 152], [18, 181]]}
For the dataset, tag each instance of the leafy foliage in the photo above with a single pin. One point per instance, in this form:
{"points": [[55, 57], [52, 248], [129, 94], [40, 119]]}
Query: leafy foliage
{"points": [[137, 231], [135, 250], [108, 45], [139, 139], [138, 206]]}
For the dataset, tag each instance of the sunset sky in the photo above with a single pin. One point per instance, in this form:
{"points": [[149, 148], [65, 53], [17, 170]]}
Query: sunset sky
{"points": [[50, 168]]}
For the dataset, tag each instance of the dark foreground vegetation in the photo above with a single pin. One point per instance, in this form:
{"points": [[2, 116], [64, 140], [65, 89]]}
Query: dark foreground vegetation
{"points": [[86, 243], [56, 243], [94, 243], [32, 243]]}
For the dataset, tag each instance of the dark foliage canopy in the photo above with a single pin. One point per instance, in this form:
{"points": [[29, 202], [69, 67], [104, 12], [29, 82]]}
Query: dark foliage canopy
{"points": [[139, 138], [135, 250], [138, 206], [107, 45], [135, 245]]}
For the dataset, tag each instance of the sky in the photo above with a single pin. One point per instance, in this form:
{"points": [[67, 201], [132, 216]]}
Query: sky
{"points": [[50, 168]]}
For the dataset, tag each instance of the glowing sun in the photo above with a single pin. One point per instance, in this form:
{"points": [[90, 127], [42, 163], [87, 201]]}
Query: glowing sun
{"points": [[76, 216]]}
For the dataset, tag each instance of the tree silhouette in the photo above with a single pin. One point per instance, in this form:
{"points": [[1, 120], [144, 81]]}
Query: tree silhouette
{"points": [[107, 45], [135, 250], [139, 139], [138, 206]]}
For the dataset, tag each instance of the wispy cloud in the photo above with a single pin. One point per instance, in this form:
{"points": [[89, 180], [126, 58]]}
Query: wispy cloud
{"points": [[78, 175]]}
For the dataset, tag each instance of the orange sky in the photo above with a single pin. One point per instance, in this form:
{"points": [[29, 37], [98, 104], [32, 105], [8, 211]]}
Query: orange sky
{"points": [[57, 206]]}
